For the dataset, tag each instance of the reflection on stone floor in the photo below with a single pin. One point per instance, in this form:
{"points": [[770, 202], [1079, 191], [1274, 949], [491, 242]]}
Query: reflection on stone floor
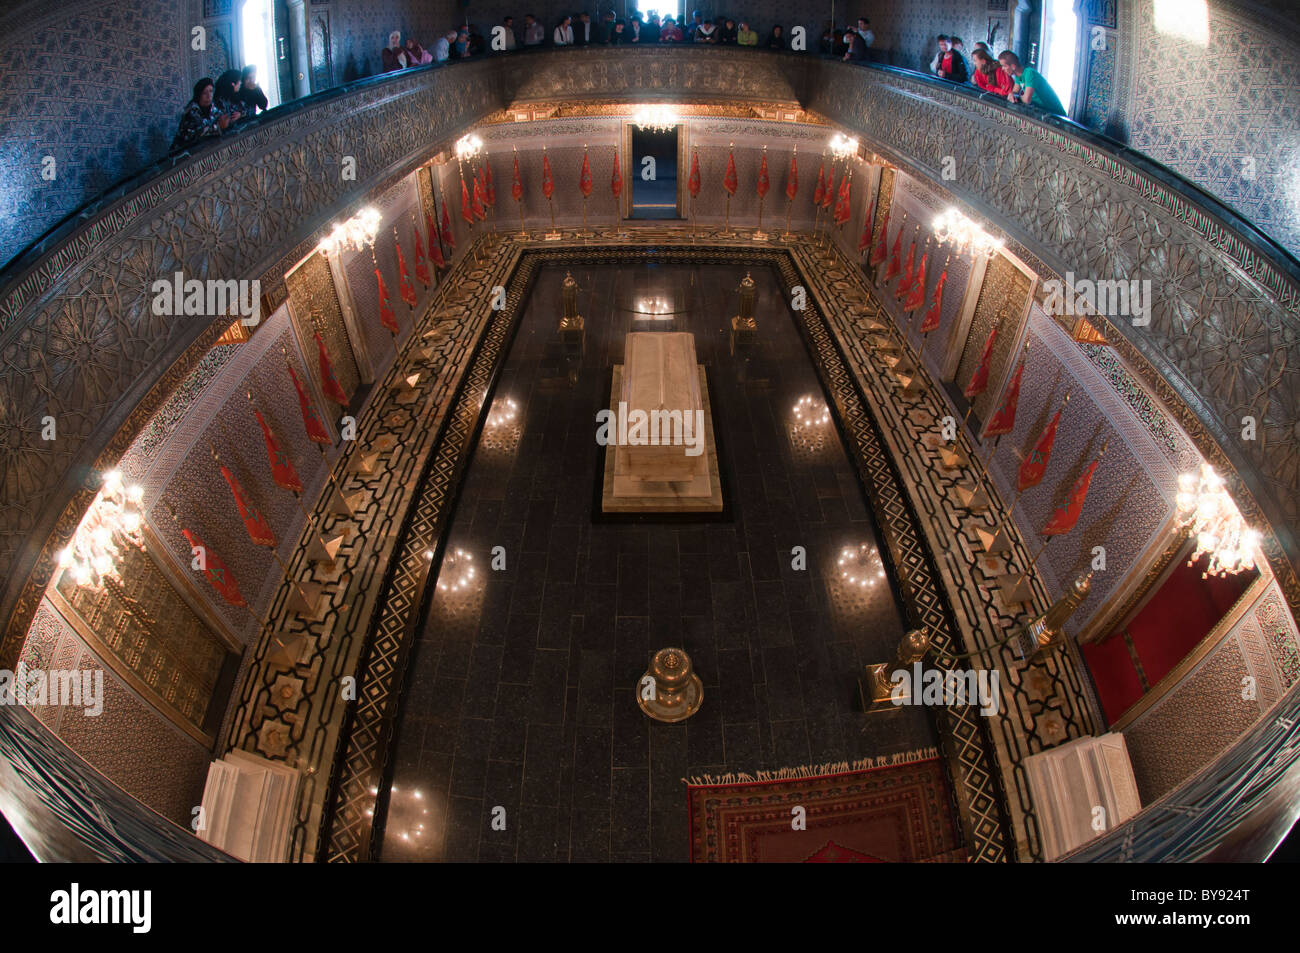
{"points": [[520, 693]]}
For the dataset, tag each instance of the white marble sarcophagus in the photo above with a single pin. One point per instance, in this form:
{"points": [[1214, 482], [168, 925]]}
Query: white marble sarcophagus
{"points": [[660, 454]]}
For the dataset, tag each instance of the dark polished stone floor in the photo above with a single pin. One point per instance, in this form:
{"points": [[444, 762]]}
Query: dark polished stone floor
{"points": [[521, 689]]}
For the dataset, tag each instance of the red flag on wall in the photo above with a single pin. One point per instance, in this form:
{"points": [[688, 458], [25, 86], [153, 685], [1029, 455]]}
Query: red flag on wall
{"points": [[421, 264], [980, 379], [489, 190], [792, 179], [616, 178], [584, 177], [466, 209], [548, 182], [329, 382], [480, 212], [819, 193], [435, 247], [1035, 465], [312, 421], [865, 241], [729, 181], [517, 187], [1003, 420], [259, 531], [446, 226], [895, 254], [763, 182], [878, 255], [282, 469], [386, 316], [1066, 516], [905, 284], [845, 200], [916, 297], [216, 571], [931, 320], [693, 183], [405, 288]]}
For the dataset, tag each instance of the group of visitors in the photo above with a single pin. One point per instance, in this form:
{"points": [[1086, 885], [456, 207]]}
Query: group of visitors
{"points": [[579, 30], [1004, 76], [217, 106]]}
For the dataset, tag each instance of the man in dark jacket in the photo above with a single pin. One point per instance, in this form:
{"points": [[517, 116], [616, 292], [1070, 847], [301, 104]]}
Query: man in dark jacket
{"points": [[949, 64], [584, 31], [857, 47]]}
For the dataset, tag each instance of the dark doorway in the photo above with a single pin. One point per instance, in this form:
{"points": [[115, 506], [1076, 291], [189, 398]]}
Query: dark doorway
{"points": [[283, 56], [654, 174]]}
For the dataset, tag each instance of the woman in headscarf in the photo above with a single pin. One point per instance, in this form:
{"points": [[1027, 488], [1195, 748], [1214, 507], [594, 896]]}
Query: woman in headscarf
{"points": [[201, 118], [416, 54], [394, 56], [225, 98]]}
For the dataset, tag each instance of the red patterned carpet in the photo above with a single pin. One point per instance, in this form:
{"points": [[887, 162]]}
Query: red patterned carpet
{"points": [[899, 812]]}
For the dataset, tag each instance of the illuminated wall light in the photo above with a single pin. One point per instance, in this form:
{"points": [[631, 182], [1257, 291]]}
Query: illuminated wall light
{"points": [[655, 118], [113, 522], [842, 146], [356, 233], [468, 147], [952, 227], [1207, 512]]}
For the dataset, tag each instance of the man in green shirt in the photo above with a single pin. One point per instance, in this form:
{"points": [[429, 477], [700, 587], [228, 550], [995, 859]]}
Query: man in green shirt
{"points": [[1031, 87], [746, 37]]}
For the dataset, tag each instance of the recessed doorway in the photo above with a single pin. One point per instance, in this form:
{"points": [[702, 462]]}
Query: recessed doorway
{"points": [[653, 174]]}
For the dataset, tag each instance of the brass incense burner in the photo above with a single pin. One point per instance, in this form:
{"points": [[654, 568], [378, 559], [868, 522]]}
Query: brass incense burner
{"points": [[670, 690]]}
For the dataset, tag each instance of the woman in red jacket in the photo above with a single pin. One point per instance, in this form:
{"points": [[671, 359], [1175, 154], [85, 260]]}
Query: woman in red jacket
{"points": [[989, 76]]}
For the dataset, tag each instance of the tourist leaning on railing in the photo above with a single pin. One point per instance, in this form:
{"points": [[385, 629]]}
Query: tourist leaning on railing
{"points": [[225, 98], [201, 119], [989, 76], [1031, 87]]}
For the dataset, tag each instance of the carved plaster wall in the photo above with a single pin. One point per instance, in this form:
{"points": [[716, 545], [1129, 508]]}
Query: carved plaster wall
{"points": [[1224, 334]]}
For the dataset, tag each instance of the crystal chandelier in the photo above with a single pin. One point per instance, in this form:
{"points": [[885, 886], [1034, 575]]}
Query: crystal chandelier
{"points": [[655, 118], [504, 411], [468, 147], [356, 233], [1207, 512], [810, 412], [952, 226], [113, 521], [842, 146], [861, 567], [457, 572], [809, 420]]}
